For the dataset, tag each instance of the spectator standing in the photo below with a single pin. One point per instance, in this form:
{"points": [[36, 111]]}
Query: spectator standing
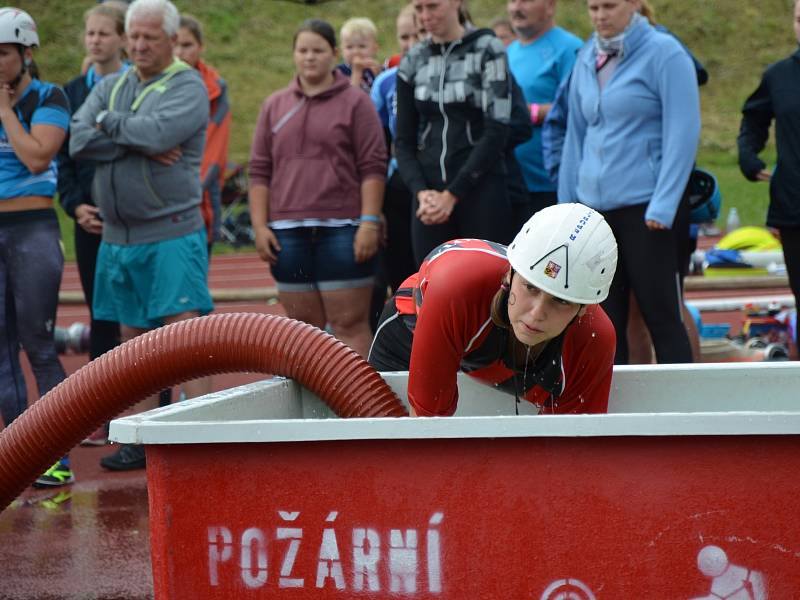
{"points": [[640, 349], [360, 52], [540, 59], [454, 98], [632, 134], [317, 175], [104, 38], [398, 257], [777, 98], [189, 49], [406, 36], [145, 131], [34, 116], [554, 128]]}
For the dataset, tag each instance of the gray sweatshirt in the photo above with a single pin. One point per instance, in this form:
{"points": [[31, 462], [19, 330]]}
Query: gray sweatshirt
{"points": [[141, 200]]}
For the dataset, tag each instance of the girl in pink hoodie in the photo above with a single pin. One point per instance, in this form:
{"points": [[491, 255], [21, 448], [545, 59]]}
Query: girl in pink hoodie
{"points": [[317, 174]]}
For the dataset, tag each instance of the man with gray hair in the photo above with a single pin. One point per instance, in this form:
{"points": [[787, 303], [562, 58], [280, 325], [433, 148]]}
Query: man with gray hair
{"points": [[540, 58], [145, 130]]}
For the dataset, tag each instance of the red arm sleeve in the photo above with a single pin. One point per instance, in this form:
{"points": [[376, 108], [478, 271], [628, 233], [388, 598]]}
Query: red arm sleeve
{"points": [[435, 359], [457, 293], [588, 359]]}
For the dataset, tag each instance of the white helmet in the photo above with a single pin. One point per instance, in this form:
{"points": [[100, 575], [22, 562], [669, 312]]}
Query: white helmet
{"points": [[567, 250], [17, 27]]}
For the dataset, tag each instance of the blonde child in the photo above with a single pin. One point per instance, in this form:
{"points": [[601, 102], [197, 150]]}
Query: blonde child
{"points": [[359, 38]]}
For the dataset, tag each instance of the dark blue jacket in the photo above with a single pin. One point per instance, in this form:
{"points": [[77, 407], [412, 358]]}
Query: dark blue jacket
{"points": [[777, 98], [74, 176]]}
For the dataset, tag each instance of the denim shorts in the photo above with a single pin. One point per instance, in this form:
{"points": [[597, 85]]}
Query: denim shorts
{"points": [[140, 284], [320, 258]]}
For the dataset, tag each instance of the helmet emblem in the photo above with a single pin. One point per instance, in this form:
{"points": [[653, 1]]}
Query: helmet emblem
{"points": [[552, 269]]}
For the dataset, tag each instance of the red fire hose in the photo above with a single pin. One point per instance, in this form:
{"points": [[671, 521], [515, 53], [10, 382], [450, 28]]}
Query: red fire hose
{"points": [[226, 343]]}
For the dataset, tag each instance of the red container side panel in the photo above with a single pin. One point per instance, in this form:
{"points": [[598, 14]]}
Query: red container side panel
{"points": [[516, 518]]}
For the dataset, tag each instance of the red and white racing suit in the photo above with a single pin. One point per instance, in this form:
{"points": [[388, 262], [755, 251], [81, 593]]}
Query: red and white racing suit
{"points": [[439, 323]]}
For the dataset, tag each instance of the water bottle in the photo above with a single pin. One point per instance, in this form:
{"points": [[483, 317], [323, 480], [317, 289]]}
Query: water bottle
{"points": [[733, 221]]}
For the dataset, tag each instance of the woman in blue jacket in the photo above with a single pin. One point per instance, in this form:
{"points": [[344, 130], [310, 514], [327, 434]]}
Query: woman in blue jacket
{"points": [[632, 133]]}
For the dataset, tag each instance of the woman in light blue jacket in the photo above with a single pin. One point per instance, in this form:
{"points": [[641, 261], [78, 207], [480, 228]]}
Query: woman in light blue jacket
{"points": [[632, 133]]}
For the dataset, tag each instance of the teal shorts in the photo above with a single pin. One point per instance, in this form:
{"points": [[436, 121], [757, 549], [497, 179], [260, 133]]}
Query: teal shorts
{"points": [[139, 285]]}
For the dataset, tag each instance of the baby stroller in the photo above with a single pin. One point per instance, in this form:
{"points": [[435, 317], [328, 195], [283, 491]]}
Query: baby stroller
{"points": [[235, 226]]}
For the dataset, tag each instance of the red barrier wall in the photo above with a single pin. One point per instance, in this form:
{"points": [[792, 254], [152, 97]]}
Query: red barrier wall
{"points": [[557, 518]]}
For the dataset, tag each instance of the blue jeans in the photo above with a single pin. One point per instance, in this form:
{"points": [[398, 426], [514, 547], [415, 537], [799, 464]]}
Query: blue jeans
{"points": [[31, 262], [320, 258]]}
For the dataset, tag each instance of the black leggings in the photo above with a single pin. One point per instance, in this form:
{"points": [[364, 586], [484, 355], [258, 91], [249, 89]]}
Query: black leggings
{"points": [[31, 263], [398, 257], [790, 239], [104, 335], [649, 265], [485, 213]]}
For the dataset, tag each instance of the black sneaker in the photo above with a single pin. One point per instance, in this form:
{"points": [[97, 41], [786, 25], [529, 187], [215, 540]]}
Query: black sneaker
{"points": [[127, 458]]}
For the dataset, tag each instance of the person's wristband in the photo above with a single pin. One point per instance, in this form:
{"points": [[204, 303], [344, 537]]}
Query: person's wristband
{"points": [[535, 108], [370, 219]]}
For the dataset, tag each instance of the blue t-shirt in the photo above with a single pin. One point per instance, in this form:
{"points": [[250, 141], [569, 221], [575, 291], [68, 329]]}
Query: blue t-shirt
{"points": [[384, 97], [40, 104], [539, 68]]}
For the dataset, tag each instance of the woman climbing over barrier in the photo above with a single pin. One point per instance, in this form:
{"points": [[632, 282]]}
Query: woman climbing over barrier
{"points": [[526, 319]]}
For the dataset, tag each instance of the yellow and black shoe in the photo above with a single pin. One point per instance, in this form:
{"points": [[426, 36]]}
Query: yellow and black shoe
{"points": [[57, 475]]}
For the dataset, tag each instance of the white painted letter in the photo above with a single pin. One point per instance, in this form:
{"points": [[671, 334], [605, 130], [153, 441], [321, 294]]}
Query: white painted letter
{"points": [[434, 555], [365, 562], [294, 536], [217, 554], [329, 564], [250, 538], [403, 560]]}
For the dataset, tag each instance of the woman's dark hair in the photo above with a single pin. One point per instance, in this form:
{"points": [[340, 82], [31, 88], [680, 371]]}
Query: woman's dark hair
{"points": [[499, 307], [193, 26], [33, 69], [318, 26], [464, 17]]}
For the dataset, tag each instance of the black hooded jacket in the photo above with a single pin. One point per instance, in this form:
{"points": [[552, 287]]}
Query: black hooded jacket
{"points": [[778, 98], [455, 113]]}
